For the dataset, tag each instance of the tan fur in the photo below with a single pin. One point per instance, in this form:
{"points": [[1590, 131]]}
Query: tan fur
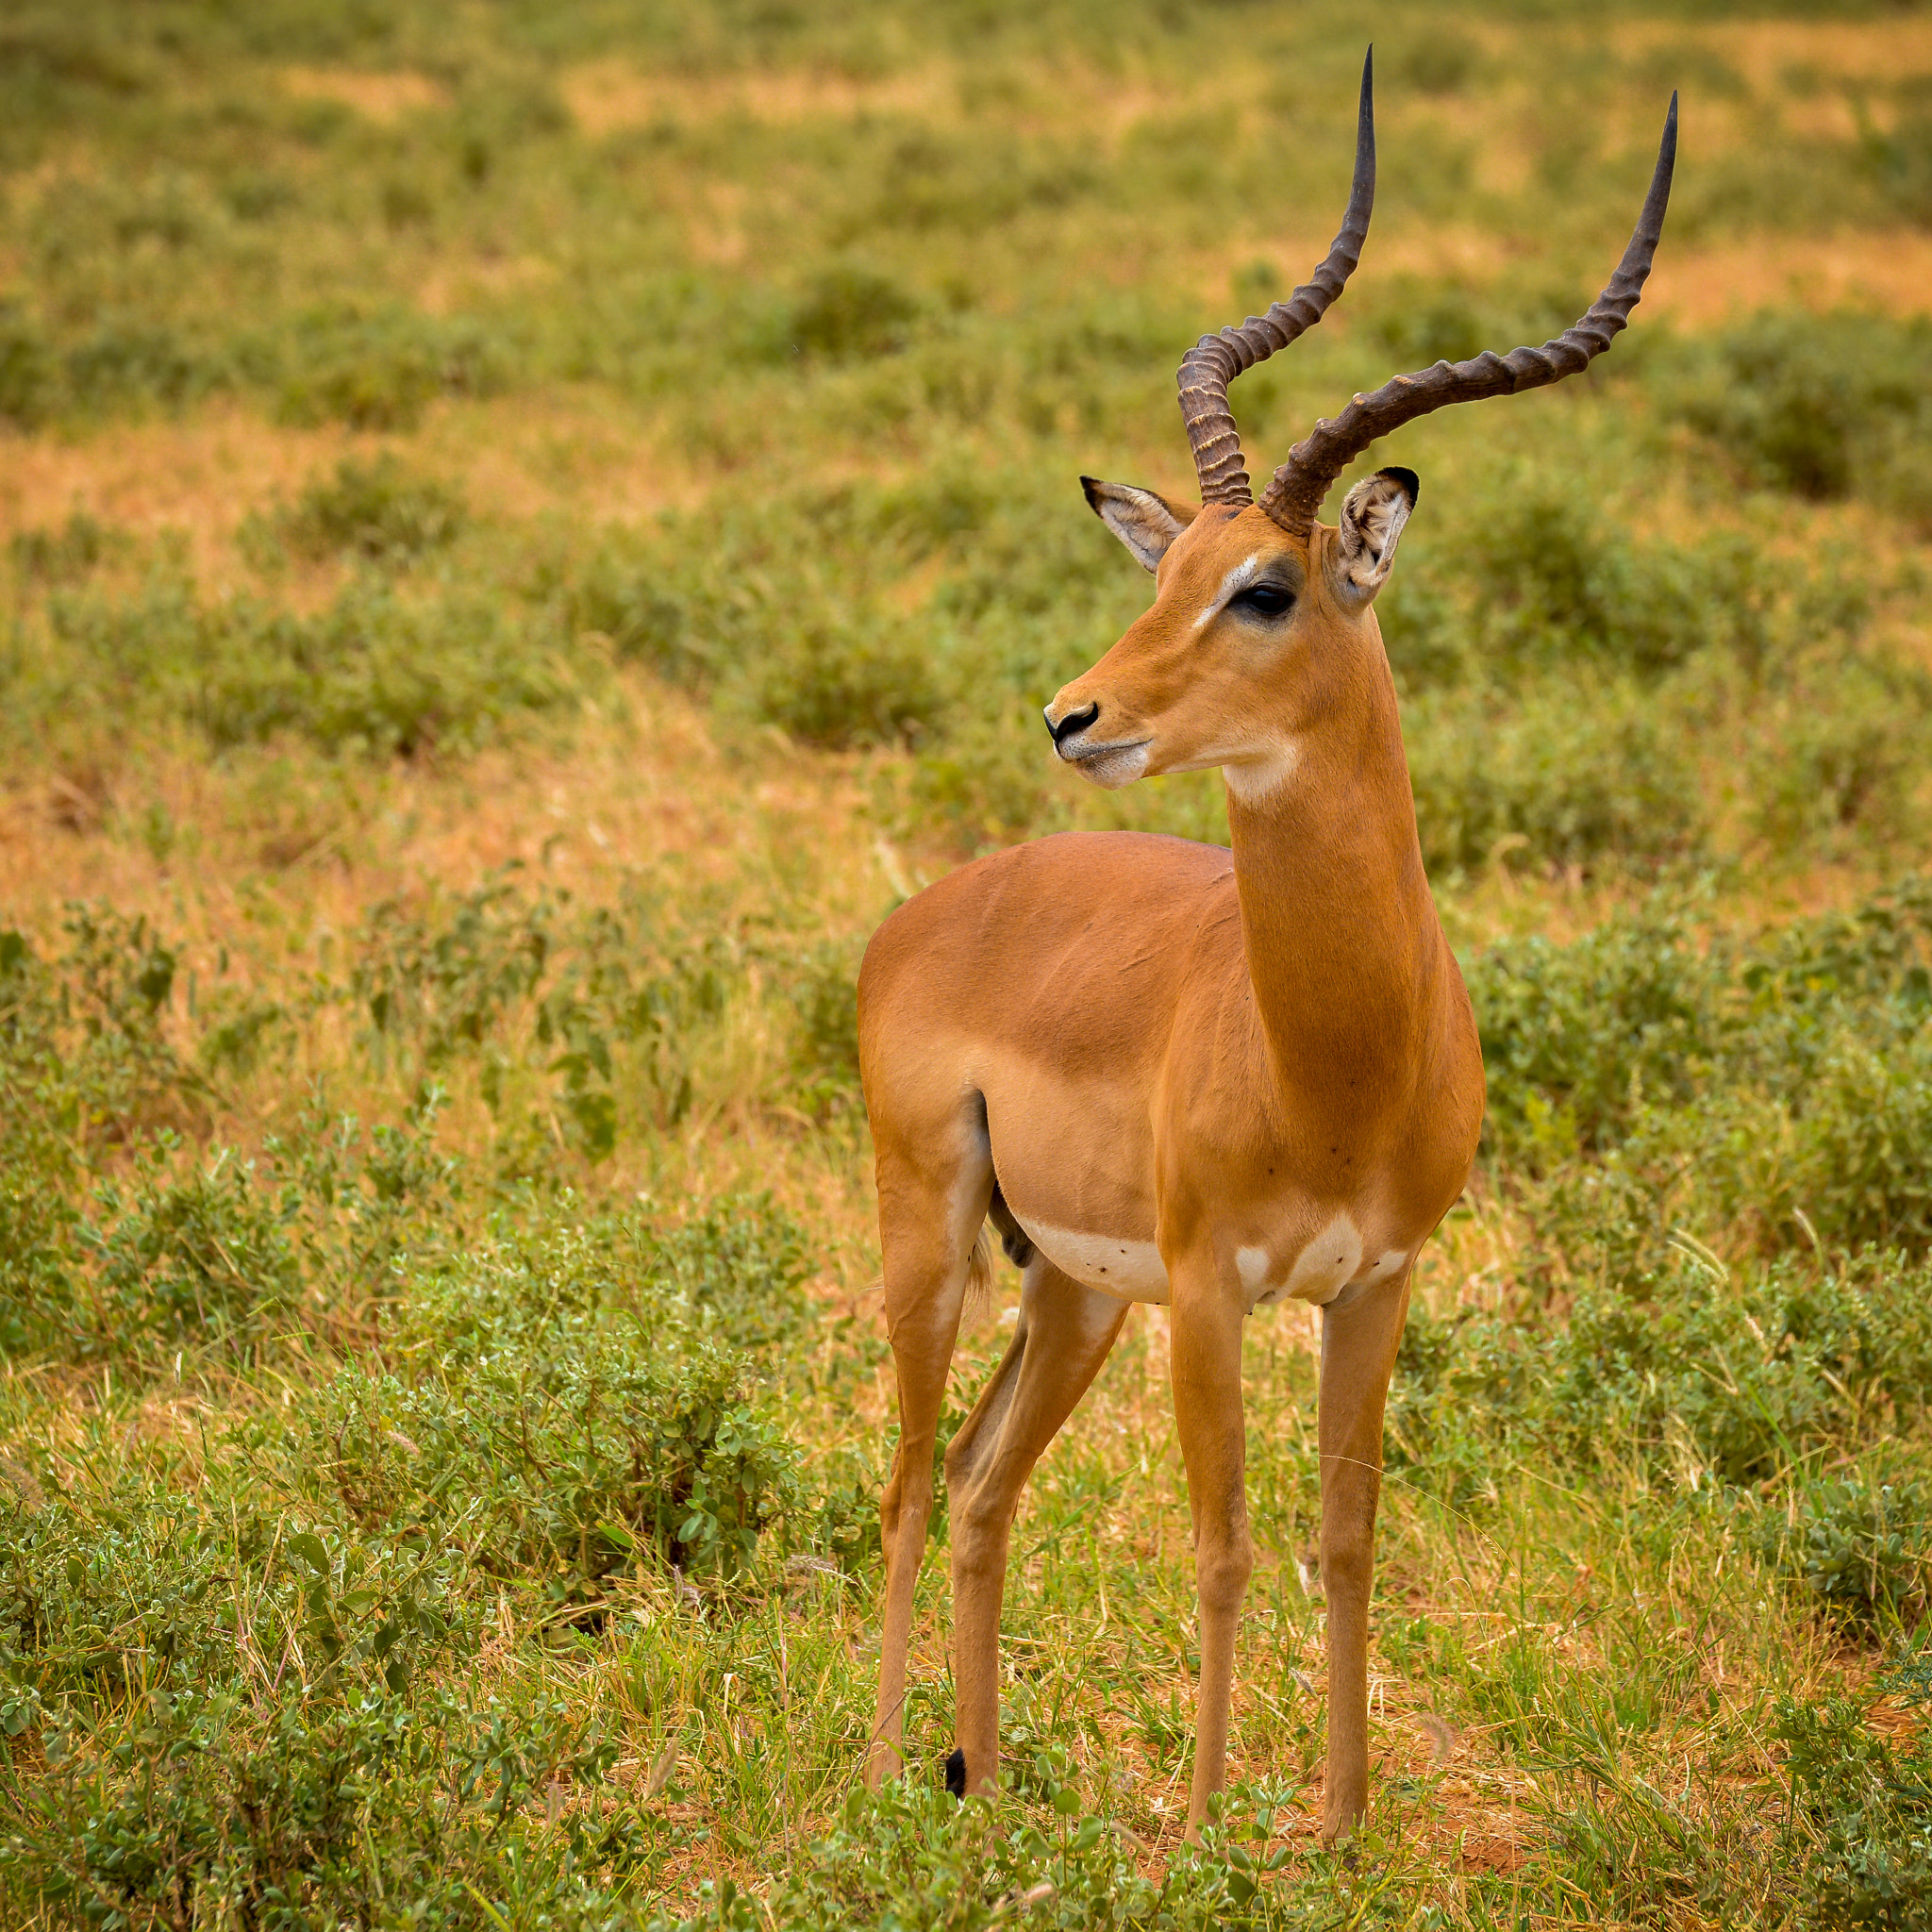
{"points": [[1213, 1058]]}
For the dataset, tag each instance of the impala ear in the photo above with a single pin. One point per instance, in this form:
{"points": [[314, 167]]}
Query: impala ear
{"points": [[1373, 515], [1145, 523]]}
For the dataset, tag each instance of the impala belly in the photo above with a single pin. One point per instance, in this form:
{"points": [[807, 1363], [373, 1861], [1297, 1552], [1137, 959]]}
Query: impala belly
{"points": [[1318, 1271], [1129, 1270]]}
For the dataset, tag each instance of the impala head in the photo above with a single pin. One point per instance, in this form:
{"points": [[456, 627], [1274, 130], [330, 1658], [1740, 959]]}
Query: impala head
{"points": [[1261, 616]]}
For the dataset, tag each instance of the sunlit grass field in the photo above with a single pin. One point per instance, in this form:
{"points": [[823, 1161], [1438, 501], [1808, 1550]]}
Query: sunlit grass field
{"points": [[525, 531]]}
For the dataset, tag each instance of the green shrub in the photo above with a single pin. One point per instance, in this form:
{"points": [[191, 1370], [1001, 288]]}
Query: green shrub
{"points": [[28, 374], [575, 1438], [376, 510], [1843, 753], [1664, 1359], [67, 554], [848, 312], [1437, 59], [1870, 1806], [844, 681], [1564, 770], [624, 603], [371, 672], [378, 368], [1862, 1545], [1645, 1013], [1858, 1167], [1818, 407], [202, 1258], [125, 361], [1550, 578], [575, 997], [1900, 162], [314, 1814]]}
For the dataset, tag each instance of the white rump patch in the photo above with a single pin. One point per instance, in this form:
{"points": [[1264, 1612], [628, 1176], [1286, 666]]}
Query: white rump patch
{"points": [[1129, 1269]]}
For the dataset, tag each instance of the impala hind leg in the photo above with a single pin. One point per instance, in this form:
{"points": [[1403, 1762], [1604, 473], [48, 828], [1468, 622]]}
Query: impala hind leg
{"points": [[1063, 1335], [928, 1222], [1359, 1344]]}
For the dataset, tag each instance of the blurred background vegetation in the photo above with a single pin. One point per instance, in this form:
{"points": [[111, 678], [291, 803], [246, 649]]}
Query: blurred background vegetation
{"points": [[527, 528]]}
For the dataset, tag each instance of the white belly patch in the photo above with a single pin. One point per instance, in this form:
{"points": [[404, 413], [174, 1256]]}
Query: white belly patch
{"points": [[1326, 1264], [1131, 1270], [1134, 1272]]}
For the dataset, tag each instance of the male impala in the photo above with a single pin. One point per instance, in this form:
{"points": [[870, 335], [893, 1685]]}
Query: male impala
{"points": [[1173, 1074]]}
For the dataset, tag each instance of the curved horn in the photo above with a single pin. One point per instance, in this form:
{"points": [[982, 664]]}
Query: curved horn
{"points": [[1215, 360], [1313, 464]]}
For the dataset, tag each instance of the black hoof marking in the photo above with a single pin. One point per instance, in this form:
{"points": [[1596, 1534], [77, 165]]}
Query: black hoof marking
{"points": [[956, 1774]]}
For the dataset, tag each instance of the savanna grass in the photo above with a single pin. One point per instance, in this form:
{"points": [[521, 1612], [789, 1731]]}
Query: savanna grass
{"points": [[533, 529]]}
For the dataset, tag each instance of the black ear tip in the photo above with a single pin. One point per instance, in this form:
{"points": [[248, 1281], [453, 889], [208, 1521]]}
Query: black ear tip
{"points": [[1412, 483], [1090, 487], [955, 1764]]}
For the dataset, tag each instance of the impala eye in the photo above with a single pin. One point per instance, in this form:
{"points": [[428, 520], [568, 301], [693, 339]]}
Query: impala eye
{"points": [[1266, 600]]}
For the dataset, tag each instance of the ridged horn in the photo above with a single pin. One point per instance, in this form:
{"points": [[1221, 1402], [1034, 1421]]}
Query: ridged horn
{"points": [[1215, 360], [1314, 463]]}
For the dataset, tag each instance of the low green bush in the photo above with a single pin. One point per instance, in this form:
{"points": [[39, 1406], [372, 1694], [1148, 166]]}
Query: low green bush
{"points": [[1861, 1545], [909, 1852], [850, 313], [202, 1258], [1699, 1375], [377, 368], [1571, 770], [371, 672], [1647, 1008], [377, 510], [1822, 407], [1866, 1802]]}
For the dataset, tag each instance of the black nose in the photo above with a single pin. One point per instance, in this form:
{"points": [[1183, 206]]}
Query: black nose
{"points": [[1072, 722]]}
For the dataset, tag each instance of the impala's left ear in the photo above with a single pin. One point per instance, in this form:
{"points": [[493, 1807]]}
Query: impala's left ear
{"points": [[1373, 515]]}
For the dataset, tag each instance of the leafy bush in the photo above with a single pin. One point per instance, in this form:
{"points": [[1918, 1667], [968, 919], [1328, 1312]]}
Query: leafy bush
{"points": [[1559, 772], [1551, 577], [66, 554], [909, 1852], [376, 510], [573, 1453], [1862, 1545], [577, 996], [1644, 1007], [204, 1258], [1672, 1363], [125, 360], [378, 368], [203, 1809], [28, 374], [1870, 1806], [578, 1404], [862, 680], [371, 672], [1822, 408], [849, 312]]}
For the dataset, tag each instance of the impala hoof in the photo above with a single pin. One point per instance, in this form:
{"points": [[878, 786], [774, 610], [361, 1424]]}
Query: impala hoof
{"points": [[956, 1774]]}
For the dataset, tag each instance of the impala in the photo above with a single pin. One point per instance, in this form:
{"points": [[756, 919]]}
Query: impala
{"points": [[1175, 1073]]}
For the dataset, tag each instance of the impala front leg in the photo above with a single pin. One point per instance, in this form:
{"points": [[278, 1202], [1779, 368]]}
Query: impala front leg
{"points": [[1207, 1358], [1359, 1344]]}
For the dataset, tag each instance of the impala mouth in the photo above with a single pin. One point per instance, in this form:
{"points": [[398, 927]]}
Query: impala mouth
{"points": [[1109, 766]]}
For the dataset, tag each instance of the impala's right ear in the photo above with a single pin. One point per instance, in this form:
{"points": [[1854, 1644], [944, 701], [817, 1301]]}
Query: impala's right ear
{"points": [[1145, 523]]}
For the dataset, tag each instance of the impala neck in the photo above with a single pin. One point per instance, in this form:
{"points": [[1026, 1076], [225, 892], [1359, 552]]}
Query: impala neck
{"points": [[1343, 947]]}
